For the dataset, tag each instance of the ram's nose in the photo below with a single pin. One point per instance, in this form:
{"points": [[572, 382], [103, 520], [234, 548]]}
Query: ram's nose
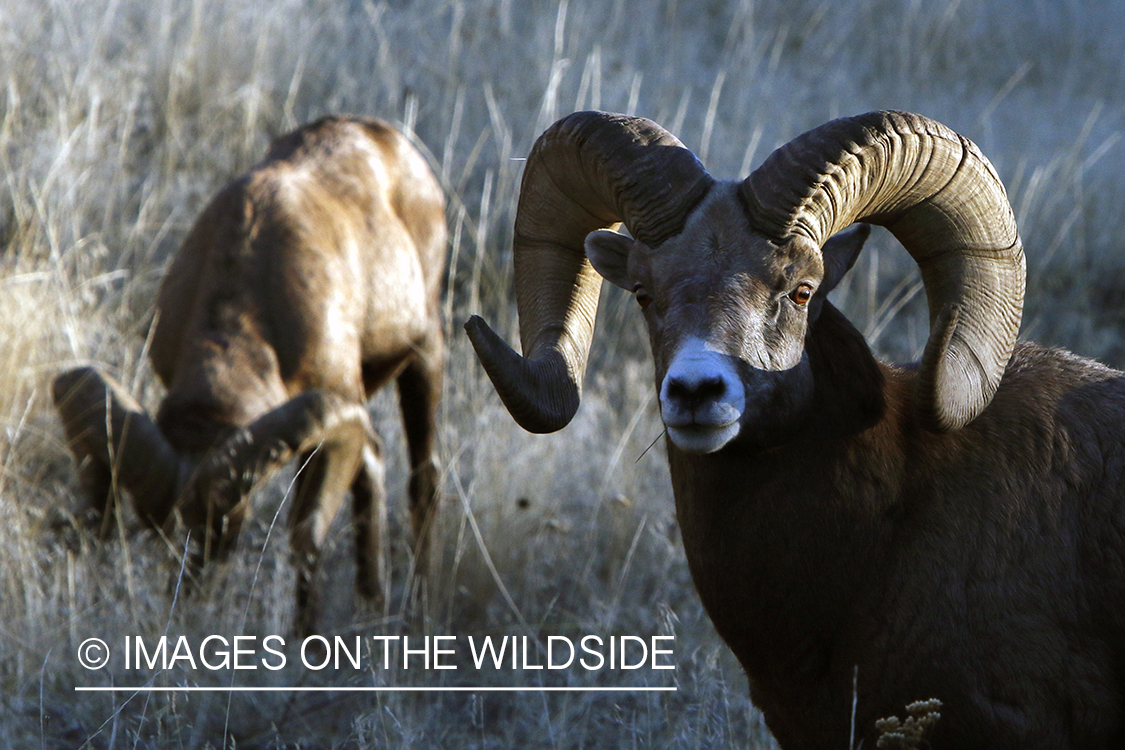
{"points": [[701, 399], [694, 389]]}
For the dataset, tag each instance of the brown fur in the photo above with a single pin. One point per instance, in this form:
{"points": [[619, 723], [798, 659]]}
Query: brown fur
{"points": [[318, 272], [838, 534], [982, 567]]}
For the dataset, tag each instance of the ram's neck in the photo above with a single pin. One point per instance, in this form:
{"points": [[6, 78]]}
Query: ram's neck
{"points": [[783, 543], [771, 512]]}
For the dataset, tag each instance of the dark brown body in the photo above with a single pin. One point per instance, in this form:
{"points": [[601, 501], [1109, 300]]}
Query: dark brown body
{"points": [[314, 279], [984, 567]]}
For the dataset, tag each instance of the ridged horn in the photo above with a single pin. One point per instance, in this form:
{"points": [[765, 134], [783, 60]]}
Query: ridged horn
{"points": [[588, 171], [112, 438], [227, 475], [942, 199]]}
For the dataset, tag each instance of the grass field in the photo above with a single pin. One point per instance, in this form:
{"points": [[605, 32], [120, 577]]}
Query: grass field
{"points": [[121, 118]]}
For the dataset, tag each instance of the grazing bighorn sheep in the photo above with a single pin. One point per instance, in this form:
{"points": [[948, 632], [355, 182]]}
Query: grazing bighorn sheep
{"points": [[303, 288], [953, 529]]}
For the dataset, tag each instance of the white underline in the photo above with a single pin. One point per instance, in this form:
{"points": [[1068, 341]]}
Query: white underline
{"points": [[457, 689]]}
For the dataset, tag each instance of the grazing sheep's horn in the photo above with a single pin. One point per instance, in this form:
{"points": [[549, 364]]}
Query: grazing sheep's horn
{"points": [[112, 436], [588, 171], [944, 202], [312, 420]]}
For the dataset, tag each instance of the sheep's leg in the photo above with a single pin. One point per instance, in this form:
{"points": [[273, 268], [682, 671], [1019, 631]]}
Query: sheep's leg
{"points": [[419, 390], [370, 510], [317, 500], [306, 534]]}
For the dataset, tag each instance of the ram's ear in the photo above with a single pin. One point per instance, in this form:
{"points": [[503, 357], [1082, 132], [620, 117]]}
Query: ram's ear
{"points": [[840, 253], [608, 252]]}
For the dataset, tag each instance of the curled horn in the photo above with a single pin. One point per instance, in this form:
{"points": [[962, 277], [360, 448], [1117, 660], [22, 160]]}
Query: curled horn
{"points": [[588, 171], [339, 429], [942, 199], [115, 441]]}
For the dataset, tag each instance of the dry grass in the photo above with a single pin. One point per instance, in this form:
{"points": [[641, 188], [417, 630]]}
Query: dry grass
{"points": [[120, 118]]}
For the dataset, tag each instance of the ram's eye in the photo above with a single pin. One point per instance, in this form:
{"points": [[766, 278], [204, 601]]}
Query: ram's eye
{"points": [[644, 299], [802, 294]]}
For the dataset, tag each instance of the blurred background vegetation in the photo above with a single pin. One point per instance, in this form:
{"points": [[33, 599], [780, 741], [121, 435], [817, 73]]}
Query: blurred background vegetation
{"points": [[120, 118]]}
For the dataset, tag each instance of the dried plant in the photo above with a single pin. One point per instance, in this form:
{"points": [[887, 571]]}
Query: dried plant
{"points": [[895, 734]]}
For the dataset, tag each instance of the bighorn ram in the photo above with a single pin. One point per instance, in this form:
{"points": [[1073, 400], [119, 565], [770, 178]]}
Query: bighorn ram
{"points": [[303, 288], [953, 529]]}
